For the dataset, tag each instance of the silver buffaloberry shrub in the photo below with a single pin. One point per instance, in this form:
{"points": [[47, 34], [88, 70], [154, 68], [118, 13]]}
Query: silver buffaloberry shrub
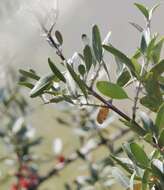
{"points": [[84, 83]]}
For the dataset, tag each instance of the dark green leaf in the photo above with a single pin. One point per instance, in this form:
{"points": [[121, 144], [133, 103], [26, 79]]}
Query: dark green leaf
{"points": [[26, 84], [68, 98], [150, 102], [56, 71], [77, 79], [124, 78], [28, 74], [147, 123], [41, 85], [127, 149], [158, 69], [122, 57], [81, 69], [139, 155], [157, 51], [94, 172], [161, 139], [158, 169], [88, 57], [145, 180], [111, 90], [120, 65], [143, 10], [137, 54], [152, 11], [148, 138], [150, 47], [153, 99], [57, 99], [139, 28], [143, 46], [126, 164], [160, 118], [96, 43], [59, 37], [137, 67]]}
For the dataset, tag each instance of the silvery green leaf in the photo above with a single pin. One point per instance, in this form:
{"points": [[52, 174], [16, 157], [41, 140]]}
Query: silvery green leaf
{"points": [[107, 39], [147, 36], [120, 66], [159, 164], [120, 177], [18, 125], [139, 28], [147, 122], [132, 181], [144, 10], [152, 11], [42, 84]]}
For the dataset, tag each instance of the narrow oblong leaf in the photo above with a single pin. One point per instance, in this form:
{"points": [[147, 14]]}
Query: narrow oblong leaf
{"points": [[161, 139], [26, 84], [145, 179], [126, 164], [59, 37], [81, 69], [124, 78], [143, 46], [158, 69], [150, 102], [56, 71], [147, 123], [88, 57], [143, 10], [157, 51], [57, 99], [158, 169], [77, 79], [138, 27], [152, 11], [41, 85], [139, 155], [122, 57], [29, 74], [120, 177], [111, 90], [96, 43], [131, 182], [160, 118]]}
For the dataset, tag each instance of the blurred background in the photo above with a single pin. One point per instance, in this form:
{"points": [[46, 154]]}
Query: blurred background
{"points": [[22, 45]]}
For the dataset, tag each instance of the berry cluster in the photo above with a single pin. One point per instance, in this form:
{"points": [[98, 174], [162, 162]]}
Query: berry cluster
{"points": [[27, 179]]}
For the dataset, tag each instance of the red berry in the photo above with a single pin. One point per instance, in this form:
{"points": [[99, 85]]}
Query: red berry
{"points": [[14, 187], [61, 159], [24, 183]]}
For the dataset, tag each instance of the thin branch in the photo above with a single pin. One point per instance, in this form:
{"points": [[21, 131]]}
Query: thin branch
{"points": [[137, 128]]}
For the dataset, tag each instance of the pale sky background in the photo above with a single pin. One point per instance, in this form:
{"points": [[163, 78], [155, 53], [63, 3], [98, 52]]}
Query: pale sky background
{"points": [[21, 42]]}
